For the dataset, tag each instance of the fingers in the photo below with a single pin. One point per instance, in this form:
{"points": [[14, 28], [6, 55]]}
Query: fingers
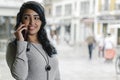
{"points": [[22, 29], [18, 32], [20, 26]]}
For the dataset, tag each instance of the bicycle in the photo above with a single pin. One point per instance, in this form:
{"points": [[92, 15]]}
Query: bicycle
{"points": [[117, 65]]}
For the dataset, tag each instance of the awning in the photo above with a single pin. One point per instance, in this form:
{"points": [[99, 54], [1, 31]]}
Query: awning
{"points": [[87, 20]]}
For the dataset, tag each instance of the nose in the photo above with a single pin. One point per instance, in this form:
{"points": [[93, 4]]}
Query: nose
{"points": [[31, 22]]}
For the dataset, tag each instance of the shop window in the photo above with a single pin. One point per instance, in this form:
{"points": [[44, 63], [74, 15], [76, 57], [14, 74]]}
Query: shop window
{"points": [[58, 10], [68, 9], [105, 29], [84, 7]]}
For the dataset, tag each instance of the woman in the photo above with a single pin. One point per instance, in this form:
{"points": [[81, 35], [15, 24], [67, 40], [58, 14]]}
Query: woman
{"points": [[91, 42], [109, 48], [31, 56]]}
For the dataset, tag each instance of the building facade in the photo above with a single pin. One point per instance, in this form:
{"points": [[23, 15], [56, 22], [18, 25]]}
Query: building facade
{"points": [[75, 19], [78, 19], [108, 19]]}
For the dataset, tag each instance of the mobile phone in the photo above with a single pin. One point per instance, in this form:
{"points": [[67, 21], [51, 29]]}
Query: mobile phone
{"points": [[24, 33]]}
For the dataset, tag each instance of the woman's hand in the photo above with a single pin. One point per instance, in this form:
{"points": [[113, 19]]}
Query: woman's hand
{"points": [[18, 32]]}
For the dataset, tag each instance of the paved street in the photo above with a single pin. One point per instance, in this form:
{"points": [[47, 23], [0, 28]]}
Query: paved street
{"points": [[74, 65], [4, 71]]}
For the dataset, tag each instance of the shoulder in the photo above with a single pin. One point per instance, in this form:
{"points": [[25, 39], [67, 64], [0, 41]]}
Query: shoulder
{"points": [[11, 50], [11, 44]]}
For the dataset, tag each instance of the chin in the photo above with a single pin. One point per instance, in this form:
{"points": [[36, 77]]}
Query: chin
{"points": [[32, 33]]}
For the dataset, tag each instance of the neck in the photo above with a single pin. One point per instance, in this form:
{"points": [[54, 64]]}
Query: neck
{"points": [[33, 39]]}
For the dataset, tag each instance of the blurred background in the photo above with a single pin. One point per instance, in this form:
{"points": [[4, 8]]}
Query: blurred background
{"points": [[69, 24]]}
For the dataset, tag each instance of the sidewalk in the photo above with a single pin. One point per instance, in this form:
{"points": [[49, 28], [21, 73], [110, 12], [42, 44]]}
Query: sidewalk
{"points": [[4, 70], [75, 65]]}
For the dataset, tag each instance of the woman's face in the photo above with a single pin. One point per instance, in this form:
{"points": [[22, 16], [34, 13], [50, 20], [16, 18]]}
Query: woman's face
{"points": [[32, 21]]}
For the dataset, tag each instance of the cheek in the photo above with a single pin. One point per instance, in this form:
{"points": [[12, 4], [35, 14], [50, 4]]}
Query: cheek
{"points": [[26, 23], [39, 24]]}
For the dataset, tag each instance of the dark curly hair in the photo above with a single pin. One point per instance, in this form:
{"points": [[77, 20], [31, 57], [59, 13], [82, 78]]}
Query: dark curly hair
{"points": [[42, 35]]}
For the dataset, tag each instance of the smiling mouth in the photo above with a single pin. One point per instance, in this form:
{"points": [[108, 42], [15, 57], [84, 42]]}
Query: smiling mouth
{"points": [[31, 27]]}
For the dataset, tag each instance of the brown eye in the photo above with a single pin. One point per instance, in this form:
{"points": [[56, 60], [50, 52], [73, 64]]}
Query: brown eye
{"points": [[25, 17], [36, 18]]}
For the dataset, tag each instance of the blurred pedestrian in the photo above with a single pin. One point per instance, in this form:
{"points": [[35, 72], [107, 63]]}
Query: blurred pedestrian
{"points": [[101, 46], [31, 56], [109, 48], [91, 45]]}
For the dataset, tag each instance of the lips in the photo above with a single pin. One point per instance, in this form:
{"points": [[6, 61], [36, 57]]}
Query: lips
{"points": [[31, 27]]}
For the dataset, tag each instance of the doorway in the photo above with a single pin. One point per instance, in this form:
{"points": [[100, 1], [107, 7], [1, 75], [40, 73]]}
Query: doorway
{"points": [[118, 35]]}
